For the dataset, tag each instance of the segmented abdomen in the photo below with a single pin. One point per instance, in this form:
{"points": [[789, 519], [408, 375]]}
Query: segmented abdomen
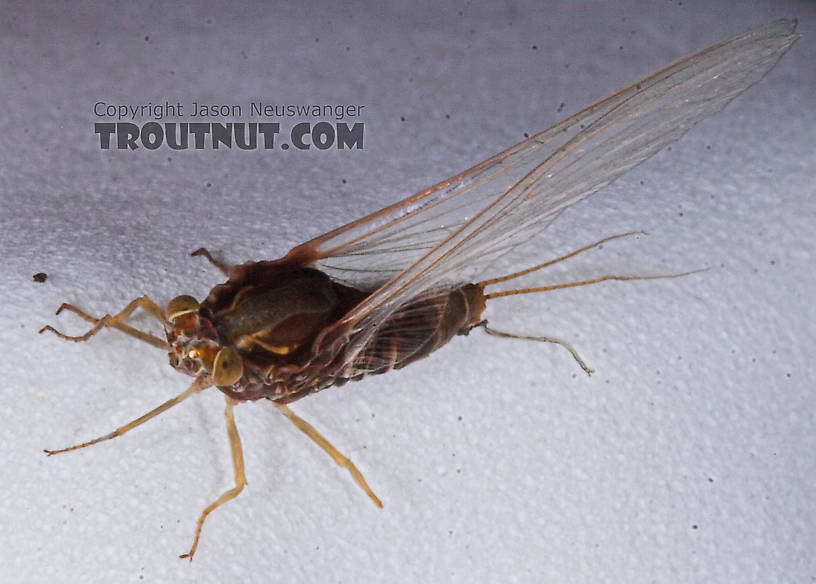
{"points": [[417, 330], [411, 333]]}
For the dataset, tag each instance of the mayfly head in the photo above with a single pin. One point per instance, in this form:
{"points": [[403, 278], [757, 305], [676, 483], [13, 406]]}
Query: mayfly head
{"points": [[194, 345]]}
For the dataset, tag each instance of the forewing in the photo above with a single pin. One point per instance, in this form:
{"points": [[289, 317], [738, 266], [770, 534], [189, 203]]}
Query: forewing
{"points": [[372, 250], [620, 130], [439, 237]]}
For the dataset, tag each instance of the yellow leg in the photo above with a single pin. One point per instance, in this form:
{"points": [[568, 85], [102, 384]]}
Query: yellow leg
{"points": [[116, 321], [202, 251], [195, 387], [338, 458], [238, 470]]}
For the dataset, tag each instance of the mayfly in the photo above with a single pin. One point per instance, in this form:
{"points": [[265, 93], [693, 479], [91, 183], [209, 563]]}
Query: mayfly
{"points": [[390, 288]]}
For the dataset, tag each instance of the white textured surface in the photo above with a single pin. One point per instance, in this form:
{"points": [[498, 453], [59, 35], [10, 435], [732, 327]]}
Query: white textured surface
{"points": [[688, 457]]}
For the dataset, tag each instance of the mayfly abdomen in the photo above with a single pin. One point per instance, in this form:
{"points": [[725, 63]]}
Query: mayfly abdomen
{"points": [[413, 332], [418, 329]]}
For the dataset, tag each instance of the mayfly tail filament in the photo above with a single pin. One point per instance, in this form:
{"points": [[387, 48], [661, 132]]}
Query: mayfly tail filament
{"points": [[516, 291]]}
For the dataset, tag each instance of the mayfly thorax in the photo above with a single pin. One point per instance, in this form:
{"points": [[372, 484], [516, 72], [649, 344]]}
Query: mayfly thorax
{"points": [[388, 289]]}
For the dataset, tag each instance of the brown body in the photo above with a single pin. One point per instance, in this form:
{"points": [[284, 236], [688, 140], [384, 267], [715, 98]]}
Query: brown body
{"points": [[279, 317], [287, 328]]}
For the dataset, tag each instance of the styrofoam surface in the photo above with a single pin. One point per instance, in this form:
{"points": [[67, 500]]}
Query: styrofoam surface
{"points": [[687, 457]]}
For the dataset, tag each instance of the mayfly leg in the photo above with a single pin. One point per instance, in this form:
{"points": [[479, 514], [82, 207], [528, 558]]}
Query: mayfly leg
{"points": [[238, 470], [116, 321], [565, 344], [195, 387], [204, 252], [338, 458]]}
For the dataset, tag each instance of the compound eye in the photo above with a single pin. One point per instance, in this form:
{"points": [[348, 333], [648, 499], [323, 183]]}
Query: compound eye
{"points": [[228, 367], [181, 305]]}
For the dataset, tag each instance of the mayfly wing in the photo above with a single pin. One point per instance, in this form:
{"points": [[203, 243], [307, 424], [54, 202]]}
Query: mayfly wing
{"points": [[439, 238], [372, 250]]}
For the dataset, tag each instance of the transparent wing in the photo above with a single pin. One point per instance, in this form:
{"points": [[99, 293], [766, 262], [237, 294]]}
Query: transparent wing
{"points": [[401, 338], [438, 238], [618, 131], [372, 250]]}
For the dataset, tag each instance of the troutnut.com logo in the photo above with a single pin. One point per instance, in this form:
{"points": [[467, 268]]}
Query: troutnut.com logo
{"points": [[335, 126]]}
